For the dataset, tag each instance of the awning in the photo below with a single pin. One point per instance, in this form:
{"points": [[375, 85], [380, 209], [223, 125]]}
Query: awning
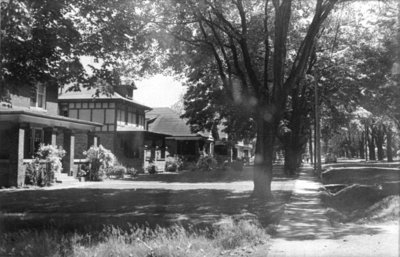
{"points": [[46, 120]]}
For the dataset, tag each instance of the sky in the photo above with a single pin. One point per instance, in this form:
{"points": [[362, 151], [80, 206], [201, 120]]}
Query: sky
{"points": [[158, 91]]}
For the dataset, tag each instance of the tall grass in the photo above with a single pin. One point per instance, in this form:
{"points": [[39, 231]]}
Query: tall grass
{"points": [[174, 241]]}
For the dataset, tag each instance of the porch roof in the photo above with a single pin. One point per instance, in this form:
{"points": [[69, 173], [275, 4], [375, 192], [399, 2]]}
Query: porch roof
{"points": [[44, 119], [187, 138]]}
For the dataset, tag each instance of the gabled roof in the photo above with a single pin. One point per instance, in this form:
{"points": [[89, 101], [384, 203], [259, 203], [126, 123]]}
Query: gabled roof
{"points": [[90, 94], [166, 121]]}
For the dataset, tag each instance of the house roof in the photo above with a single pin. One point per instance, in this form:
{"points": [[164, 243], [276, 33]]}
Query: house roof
{"points": [[16, 115], [90, 94], [166, 121]]}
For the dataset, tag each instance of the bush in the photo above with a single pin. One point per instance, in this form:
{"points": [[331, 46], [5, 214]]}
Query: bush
{"points": [[132, 171], [101, 159], [53, 155], [173, 163], [151, 168], [206, 163], [41, 171], [117, 171], [83, 171], [36, 174]]}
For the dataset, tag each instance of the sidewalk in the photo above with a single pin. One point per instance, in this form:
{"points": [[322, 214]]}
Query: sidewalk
{"points": [[304, 230]]}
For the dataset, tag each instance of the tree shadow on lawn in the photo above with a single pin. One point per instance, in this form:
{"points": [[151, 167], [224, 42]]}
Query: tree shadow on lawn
{"points": [[89, 210]]}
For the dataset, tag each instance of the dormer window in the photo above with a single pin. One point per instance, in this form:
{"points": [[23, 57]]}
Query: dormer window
{"points": [[38, 98]]}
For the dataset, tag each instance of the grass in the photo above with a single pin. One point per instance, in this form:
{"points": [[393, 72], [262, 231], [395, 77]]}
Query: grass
{"points": [[137, 241], [178, 221], [365, 192]]}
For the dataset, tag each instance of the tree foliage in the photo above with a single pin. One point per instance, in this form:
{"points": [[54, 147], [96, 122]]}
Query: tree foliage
{"points": [[44, 41]]}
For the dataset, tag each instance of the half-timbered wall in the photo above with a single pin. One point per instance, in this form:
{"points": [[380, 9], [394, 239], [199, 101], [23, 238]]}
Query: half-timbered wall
{"points": [[129, 118], [101, 112]]}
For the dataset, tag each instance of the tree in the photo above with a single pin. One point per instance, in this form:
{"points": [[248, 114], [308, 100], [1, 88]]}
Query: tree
{"points": [[246, 44], [356, 70], [44, 41]]}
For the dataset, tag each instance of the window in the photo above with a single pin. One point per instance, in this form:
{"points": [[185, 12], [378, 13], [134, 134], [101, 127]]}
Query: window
{"points": [[33, 139], [38, 98], [137, 118]]}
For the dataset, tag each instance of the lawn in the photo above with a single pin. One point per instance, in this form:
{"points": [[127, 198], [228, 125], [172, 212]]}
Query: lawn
{"points": [[362, 191], [193, 201]]}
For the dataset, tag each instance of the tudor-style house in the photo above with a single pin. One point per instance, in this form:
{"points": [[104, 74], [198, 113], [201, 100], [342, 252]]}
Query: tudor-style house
{"points": [[123, 118], [28, 118]]}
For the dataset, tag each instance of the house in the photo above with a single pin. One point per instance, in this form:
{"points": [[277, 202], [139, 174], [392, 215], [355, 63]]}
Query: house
{"points": [[123, 129], [29, 117], [180, 140]]}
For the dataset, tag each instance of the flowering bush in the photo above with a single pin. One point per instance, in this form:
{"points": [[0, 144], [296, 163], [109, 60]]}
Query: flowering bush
{"points": [[35, 174], [118, 171], [40, 172], [53, 155], [101, 159]]}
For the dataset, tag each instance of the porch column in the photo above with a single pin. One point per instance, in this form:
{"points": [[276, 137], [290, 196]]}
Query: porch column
{"points": [[16, 167], [50, 136], [196, 145], [92, 139], [211, 148], [69, 146]]}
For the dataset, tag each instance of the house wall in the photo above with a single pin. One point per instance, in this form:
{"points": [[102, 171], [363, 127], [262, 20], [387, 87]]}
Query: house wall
{"points": [[129, 149], [96, 111], [130, 118], [22, 98]]}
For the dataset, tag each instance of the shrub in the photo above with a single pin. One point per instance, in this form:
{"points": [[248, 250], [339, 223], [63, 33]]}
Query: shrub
{"points": [[151, 168], [132, 171], [83, 171], [117, 171], [53, 155], [173, 163], [101, 159], [41, 171], [206, 163], [36, 174]]}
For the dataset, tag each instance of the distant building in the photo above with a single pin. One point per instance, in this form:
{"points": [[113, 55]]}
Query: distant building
{"points": [[180, 140], [29, 118]]}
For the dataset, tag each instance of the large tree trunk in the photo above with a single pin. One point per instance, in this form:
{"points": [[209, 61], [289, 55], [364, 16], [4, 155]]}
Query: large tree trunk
{"points": [[361, 147], [310, 146], [380, 138], [263, 159], [371, 148], [292, 160], [389, 146]]}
